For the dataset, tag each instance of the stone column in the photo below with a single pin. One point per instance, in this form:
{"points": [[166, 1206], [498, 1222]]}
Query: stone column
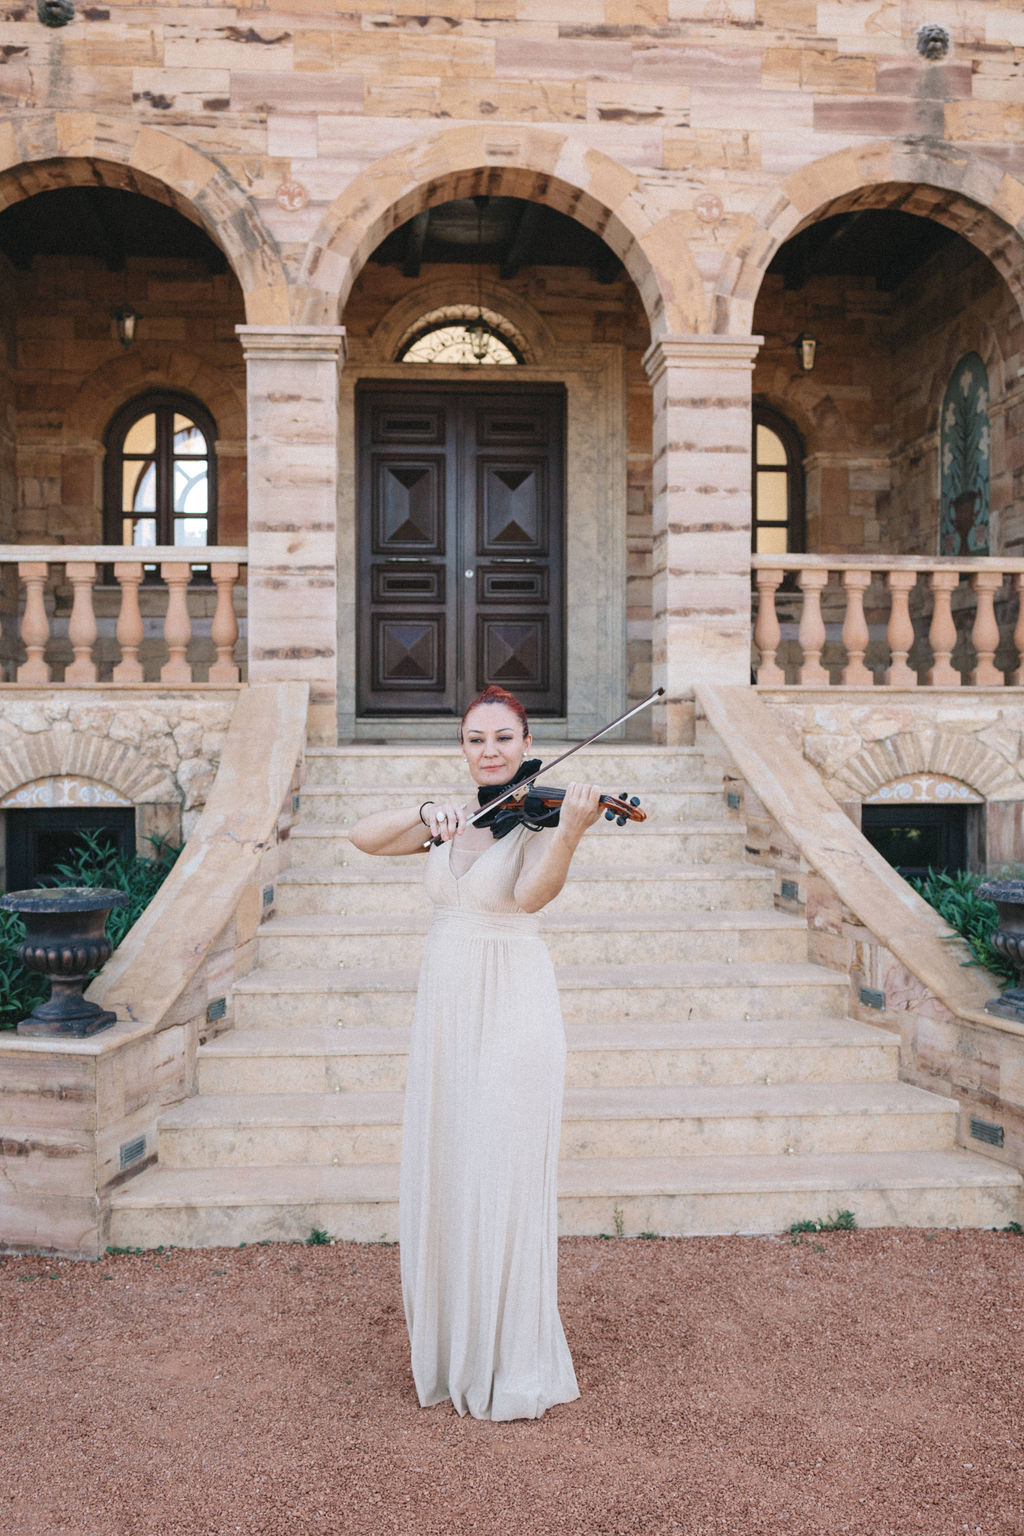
{"points": [[293, 510], [701, 562]]}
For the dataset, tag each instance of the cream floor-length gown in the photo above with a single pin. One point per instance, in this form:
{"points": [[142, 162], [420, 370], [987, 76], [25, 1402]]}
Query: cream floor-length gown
{"points": [[483, 1105]]}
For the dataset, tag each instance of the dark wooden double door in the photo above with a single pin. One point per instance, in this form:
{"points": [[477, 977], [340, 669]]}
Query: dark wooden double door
{"points": [[461, 537]]}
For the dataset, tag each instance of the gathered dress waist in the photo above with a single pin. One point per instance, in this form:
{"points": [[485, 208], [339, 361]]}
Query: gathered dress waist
{"points": [[486, 925]]}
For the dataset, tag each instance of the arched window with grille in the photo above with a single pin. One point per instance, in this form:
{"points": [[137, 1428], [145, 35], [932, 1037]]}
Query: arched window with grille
{"points": [[160, 473], [777, 485]]}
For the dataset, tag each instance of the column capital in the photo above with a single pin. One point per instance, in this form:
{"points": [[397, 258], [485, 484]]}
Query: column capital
{"points": [[316, 343], [700, 352]]}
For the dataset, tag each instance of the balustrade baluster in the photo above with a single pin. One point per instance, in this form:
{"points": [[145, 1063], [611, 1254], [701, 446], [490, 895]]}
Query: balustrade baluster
{"points": [[177, 624], [1017, 675], [129, 622], [855, 629], [811, 633], [900, 631], [767, 633], [942, 633], [82, 629], [35, 626], [985, 634], [224, 629]]}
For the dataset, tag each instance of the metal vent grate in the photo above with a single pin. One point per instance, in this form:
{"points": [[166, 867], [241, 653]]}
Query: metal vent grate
{"points": [[732, 800], [217, 1009], [872, 999], [984, 1130], [268, 895], [131, 1151], [790, 890]]}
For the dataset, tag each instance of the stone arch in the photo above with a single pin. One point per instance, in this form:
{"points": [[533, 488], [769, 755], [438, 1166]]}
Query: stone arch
{"points": [[530, 331], [68, 149], [61, 750], [533, 163], [928, 750], [967, 194], [157, 366]]}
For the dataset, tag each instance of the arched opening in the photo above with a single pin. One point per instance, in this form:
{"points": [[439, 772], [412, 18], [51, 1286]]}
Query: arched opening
{"points": [[894, 300], [495, 508], [72, 260]]}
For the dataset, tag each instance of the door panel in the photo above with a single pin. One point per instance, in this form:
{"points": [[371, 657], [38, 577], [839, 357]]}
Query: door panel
{"points": [[460, 548]]}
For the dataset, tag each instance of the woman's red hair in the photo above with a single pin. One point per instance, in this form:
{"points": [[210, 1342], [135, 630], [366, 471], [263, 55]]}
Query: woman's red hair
{"points": [[495, 695]]}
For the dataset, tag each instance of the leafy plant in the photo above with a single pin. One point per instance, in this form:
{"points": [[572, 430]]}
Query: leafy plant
{"points": [[317, 1238], [842, 1221], [92, 863], [955, 898]]}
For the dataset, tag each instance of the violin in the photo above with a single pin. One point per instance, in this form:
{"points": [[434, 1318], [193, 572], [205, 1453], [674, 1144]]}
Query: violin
{"points": [[540, 804], [542, 798]]}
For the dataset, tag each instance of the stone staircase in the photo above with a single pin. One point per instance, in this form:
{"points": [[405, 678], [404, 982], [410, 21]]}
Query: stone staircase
{"points": [[714, 1082]]}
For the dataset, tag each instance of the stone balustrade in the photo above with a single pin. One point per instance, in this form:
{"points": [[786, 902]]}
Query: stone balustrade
{"points": [[902, 621], [112, 634]]}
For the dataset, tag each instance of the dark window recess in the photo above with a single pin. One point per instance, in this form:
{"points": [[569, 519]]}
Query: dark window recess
{"points": [[37, 841], [916, 838]]}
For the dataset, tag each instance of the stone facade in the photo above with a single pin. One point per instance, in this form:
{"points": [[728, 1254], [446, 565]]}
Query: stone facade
{"points": [[694, 139], [159, 749]]}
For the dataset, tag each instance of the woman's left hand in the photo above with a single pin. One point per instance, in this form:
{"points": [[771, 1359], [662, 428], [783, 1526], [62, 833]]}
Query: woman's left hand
{"points": [[580, 808]]}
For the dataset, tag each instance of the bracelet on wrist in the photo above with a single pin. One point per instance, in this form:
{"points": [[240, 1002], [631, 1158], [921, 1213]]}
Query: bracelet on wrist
{"points": [[426, 802]]}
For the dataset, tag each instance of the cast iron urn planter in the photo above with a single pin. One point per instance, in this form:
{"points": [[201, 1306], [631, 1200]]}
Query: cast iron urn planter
{"points": [[1008, 941], [65, 939]]}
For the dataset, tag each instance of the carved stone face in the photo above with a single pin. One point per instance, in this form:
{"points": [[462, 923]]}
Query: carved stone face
{"points": [[55, 13]]}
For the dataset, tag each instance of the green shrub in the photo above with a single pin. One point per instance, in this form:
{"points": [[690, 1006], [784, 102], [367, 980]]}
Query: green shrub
{"points": [[955, 898], [91, 863]]}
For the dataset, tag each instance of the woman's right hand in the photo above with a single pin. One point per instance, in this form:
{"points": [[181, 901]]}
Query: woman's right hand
{"points": [[445, 819]]}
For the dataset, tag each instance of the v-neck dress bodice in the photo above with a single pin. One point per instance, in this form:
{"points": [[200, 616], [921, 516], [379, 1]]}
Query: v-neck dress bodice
{"points": [[483, 1106]]}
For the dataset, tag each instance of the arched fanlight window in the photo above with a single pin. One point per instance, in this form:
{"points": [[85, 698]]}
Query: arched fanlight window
{"points": [[777, 514], [965, 460], [160, 473], [462, 333]]}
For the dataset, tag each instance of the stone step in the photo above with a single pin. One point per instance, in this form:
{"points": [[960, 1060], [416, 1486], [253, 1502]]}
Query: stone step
{"points": [[237, 1130], [684, 842], [326, 805], [701, 1196], [601, 938], [329, 807], [299, 1059], [365, 766], [596, 994], [397, 887]]}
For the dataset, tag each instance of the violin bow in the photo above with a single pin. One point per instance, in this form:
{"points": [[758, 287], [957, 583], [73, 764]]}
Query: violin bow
{"points": [[520, 790]]}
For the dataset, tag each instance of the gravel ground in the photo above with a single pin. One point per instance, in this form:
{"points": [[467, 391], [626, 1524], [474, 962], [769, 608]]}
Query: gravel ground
{"points": [[866, 1382]]}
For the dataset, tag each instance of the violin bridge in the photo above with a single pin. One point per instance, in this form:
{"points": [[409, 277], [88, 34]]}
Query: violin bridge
{"points": [[520, 793]]}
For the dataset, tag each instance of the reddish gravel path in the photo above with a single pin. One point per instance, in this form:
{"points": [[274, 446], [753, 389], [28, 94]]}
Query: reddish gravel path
{"points": [[867, 1383]]}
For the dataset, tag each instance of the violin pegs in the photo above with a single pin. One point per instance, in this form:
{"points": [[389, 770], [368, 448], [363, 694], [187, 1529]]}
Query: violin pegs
{"points": [[624, 795], [634, 801], [621, 820], [609, 815]]}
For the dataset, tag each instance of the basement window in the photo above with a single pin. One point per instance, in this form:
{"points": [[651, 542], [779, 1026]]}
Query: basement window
{"points": [[916, 838]]}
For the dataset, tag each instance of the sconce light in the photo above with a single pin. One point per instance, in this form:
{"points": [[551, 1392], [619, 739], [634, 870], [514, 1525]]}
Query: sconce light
{"points": [[126, 319], [805, 347]]}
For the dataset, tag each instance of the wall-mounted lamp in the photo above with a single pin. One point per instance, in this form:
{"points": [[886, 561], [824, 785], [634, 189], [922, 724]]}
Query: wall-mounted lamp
{"points": [[805, 347], [126, 319]]}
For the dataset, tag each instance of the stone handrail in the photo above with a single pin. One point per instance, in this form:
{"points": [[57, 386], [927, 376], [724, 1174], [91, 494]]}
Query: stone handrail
{"points": [[880, 899], [82, 565], [946, 583]]}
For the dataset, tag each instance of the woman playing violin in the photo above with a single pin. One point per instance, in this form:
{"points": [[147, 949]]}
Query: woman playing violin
{"points": [[484, 1095]]}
